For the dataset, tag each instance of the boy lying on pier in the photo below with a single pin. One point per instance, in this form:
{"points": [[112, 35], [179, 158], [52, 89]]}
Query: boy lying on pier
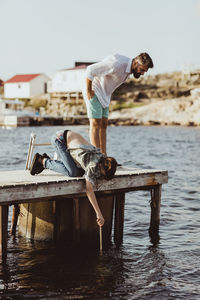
{"points": [[77, 157]]}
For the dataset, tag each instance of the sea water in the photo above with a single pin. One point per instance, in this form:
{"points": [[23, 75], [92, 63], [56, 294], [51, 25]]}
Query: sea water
{"points": [[138, 269]]}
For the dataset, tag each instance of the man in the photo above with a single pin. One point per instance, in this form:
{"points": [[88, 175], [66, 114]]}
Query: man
{"points": [[101, 80], [77, 158]]}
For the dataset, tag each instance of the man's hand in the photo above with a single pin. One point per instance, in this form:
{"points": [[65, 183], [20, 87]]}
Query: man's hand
{"points": [[90, 92], [90, 95]]}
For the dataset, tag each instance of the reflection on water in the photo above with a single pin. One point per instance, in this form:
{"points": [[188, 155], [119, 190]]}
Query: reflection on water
{"points": [[70, 271], [137, 270]]}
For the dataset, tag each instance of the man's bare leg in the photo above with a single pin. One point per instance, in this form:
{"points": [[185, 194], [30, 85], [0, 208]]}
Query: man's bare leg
{"points": [[102, 135], [95, 127]]}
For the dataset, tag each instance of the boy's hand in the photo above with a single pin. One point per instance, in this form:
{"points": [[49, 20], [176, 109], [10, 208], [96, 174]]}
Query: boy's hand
{"points": [[100, 221]]}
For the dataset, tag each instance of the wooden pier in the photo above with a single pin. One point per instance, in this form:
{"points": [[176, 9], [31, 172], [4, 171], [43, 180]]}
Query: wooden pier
{"points": [[19, 187]]}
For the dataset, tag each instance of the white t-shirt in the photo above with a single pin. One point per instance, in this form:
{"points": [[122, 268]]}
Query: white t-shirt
{"points": [[107, 75]]}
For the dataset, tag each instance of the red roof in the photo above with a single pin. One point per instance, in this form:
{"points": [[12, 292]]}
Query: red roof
{"points": [[22, 78]]}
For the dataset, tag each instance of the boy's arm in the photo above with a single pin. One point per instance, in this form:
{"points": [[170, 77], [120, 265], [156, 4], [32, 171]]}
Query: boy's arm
{"points": [[92, 198]]}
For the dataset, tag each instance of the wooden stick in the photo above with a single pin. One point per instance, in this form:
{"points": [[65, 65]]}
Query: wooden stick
{"points": [[100, 238]]}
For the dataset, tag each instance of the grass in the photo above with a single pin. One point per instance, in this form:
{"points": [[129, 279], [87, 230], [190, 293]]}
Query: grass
{"points": [[121, 105]]}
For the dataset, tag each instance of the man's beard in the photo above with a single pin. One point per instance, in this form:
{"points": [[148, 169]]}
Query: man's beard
{"points": [[136, 75]]}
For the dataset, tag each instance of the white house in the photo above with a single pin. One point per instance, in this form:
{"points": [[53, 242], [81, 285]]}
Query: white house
{"points": [[25, 86], [68, 80], [12, 113]]}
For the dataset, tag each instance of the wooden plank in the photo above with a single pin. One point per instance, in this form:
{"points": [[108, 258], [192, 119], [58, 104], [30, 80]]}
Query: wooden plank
{"points": [[23, 177], [119, 218], [3, 230], [155, 213], [74, 186]]}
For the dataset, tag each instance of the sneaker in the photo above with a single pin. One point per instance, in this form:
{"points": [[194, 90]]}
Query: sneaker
{"points": [[37, 166]]}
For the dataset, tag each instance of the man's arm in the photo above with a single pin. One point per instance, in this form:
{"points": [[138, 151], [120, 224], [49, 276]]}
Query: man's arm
{"points": [[92, 198], [99, 69]]}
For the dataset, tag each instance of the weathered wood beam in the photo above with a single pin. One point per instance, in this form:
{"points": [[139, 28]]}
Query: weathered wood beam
{"points": [[155, 213], [119, 218], [3, 230], [76, 220], [56, 227], [15, 214], [43, 186]]}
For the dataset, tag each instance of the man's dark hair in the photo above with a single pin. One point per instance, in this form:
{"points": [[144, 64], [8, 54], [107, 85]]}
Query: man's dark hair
{"points": [[145, 59]]}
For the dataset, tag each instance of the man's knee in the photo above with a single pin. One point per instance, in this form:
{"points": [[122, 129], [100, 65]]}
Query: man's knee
{"points": [[104, 123], [95, 123]]}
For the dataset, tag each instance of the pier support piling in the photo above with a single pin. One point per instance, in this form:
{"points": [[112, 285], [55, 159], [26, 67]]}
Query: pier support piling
{"points": [[56, 225], [119, 218], [155, 213], [3, 230], [15, 214], [76, 220]]}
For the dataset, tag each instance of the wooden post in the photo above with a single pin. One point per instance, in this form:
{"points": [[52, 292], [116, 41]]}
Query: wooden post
{"points": [[15, 215], [56, 227], [155, 213], [3, 230], [76, 220], [119, 218]]}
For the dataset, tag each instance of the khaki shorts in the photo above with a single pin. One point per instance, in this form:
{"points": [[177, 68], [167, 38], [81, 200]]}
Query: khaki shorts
{"points": [[95, 110]]}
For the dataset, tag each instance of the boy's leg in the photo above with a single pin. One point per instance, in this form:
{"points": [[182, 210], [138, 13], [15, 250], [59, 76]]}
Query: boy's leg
{"points": [[66, 164], [57, 166]]}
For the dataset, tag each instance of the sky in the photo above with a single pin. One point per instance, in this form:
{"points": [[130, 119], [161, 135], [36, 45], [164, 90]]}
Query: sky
{"points": [[43, 36]]}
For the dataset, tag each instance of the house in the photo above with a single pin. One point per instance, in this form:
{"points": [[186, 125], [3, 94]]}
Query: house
{"points": [[12, 113], [25, 86], [69, 81]]}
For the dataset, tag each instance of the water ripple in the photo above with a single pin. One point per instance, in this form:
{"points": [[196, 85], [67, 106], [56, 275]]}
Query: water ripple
{"points": [[138, 269]]}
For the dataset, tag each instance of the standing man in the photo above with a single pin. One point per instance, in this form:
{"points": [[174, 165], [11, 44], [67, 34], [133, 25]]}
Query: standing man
{"points": [[102, 79]]}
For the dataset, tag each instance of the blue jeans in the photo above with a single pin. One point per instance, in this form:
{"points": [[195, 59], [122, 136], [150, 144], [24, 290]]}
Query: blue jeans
{"points": [[66, 164]]}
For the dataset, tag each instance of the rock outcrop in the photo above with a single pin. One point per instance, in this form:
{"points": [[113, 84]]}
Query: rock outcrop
{"points": [[179, 111], [166, 99]]}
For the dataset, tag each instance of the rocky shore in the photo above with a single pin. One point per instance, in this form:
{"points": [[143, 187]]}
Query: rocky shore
{"points": [[183, 111], [164, 99]]}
